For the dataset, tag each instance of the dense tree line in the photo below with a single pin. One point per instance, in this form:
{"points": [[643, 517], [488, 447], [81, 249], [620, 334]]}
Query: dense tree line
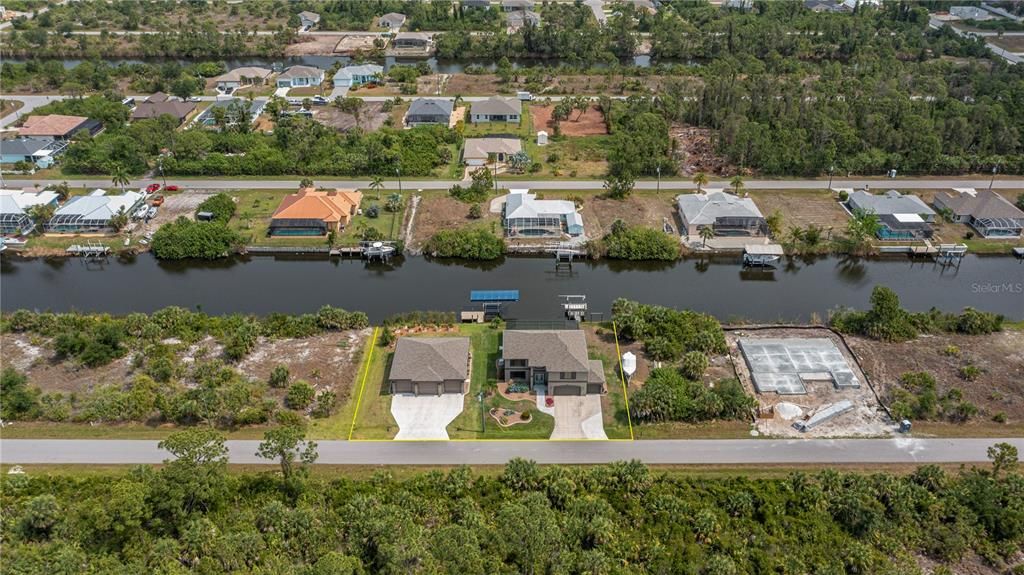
{"points": [[193, 515], [100, 76], [667, 333], [430, 16], [635, 243], [468, 243]]}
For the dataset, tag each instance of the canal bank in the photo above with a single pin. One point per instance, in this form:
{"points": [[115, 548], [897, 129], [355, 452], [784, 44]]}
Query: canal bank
{"points": [[799, 289]]}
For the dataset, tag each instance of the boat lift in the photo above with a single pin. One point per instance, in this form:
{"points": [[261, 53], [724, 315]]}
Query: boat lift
{"points": [[574, 306]]}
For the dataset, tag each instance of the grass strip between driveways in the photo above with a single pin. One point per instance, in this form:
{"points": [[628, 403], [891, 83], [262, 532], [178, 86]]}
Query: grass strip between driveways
{"points": [[362, 386], [622, 378]]}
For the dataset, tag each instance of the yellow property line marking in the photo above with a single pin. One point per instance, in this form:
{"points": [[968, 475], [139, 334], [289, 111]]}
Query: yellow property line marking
{"points": [[622, 378], [366, 371]]}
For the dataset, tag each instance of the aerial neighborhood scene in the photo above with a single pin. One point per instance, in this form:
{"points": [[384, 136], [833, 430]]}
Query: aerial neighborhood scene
{"points": [[581, 287]]}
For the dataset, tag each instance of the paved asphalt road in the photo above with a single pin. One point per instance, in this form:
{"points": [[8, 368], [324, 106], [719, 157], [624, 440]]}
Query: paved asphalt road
{"points": [[715, 452], [407, 185]]}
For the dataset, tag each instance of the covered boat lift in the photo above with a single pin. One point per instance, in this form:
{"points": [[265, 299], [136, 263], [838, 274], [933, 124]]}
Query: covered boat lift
{"points": [[762, 254]]}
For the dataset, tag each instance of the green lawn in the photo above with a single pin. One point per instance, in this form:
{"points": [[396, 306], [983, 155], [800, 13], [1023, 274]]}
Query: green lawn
{"points": [[583, 157], [613, 405]]}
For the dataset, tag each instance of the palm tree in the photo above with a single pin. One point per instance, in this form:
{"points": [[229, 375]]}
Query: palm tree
{"points": [[119, 176], [376, 184], [701, 179], [706, 233], [737, 184]]}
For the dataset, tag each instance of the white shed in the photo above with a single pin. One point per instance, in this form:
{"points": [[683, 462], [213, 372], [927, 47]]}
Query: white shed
{"points": [[542, 138]]}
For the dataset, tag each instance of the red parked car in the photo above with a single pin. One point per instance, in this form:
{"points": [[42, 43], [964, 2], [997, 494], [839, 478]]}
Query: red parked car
{"points": [[171, 188], [152, 188]]}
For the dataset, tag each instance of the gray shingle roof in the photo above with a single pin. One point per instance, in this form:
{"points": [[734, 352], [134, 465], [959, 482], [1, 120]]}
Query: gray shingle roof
{"points": [[477, 148], [706, 208], [430, 107], [431, 359], [24, 146], [981, 204], [891, 202], [498, 106], [300, 71], [554, 349]]}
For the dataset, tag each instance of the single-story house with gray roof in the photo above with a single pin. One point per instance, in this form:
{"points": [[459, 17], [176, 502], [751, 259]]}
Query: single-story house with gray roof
{"points": [[411, 40], [902, 216], [496, 109], [429, 111], [351, 76], [989, 213], [300, 76], [476, 151], [553, 361], [725, 214], [430, 366]]}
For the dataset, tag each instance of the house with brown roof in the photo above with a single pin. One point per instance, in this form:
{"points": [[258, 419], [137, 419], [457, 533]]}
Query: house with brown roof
{"points": [[553, 361], [244, 76], [314, 213], [58, 127], [430, 366], [154, 108], [989, 213]]}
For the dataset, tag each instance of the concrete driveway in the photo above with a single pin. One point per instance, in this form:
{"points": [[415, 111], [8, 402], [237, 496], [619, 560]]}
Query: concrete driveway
{"points": [[425, 416], [578, 417]]}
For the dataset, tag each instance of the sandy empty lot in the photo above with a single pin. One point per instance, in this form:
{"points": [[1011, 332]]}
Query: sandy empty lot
{"points": [[437, 212], [371, 117], [355, 43], [802, 208], [646, 210], [591, 123]]}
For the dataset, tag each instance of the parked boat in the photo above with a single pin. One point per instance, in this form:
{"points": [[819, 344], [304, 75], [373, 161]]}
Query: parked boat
{"points": [[766, 255]]}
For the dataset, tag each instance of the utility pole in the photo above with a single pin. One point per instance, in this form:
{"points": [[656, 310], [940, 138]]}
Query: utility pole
{"points": [[659, 178], [831, 169], [394, 214], [995, 169]]}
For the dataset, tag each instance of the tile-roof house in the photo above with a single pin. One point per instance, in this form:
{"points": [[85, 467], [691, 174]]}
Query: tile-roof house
{"points": [[14, 208], [392, 21], [989, 213], [496, 109], [36, 150], [351, 76], [92, 213], [246, 75], [726, 214], [521, 18], [526, 216], [58, 126], [430, 366], [513, 5], [411, 40], [155, 108], [555, 360], [476, 151], [901, 216], [429, 111], [308, 19], [299, 76], [314, 213]]}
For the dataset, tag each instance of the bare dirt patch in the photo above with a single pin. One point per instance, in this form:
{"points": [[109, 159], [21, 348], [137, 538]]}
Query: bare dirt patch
{"points": [[471, 84], [352, 43], [591, 123], [437, 212], [868, 418], [646, 210], [802, 208], [1000, 356], [371, 117], [312, 45], [34, 357], [697, 151]]}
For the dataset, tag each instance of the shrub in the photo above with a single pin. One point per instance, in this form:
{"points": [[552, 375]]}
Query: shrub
{"points": [[694, 365], [667, 396], [278, 377], [666, 332], [639, 243], [885, 321], [474, 244], [185, 238], [475, 213], [221, 206], [17, 400], [300, 395], [325, 403], [952, 351], [999, 417], [970, 372]]}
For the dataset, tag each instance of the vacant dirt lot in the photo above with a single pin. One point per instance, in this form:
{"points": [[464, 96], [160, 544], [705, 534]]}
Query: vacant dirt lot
{"points": [[371, 117], [312, 45], [697, 151], [802, 208], [591, 123], [647, 210], [1000, 356], [353, 43], [439, 211]]}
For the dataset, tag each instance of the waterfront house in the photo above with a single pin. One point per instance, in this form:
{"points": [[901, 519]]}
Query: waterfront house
{"points": [[393, 21], [352, 76], [484, 4], [300, 77], [901, 216], [827, 6], [15, 206], [726, 214], [233, 111], [173, 107], [990, 214], [496, 109], [522, 18], [554, 362], [411, 40], [970, 13], [430, 366], [244, 76], [526, 216], [477, 151], [513, 5], [308, 19], [58, 126], [92, 213], [310, 212], [39, 151], [429, 111]]}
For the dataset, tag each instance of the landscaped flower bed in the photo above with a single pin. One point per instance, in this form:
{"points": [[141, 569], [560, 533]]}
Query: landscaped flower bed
{"points": [[510, 417]]}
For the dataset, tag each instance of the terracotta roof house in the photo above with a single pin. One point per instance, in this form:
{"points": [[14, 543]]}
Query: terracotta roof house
{"points": [[989, 213], [725, 214], [430, 366], [300, 76], [244, 76], [429, 111], [476, 151], [553, 361], [902, 216], [58, 126], [496, 109], [154, 109], [392, 21], [314, 213]]}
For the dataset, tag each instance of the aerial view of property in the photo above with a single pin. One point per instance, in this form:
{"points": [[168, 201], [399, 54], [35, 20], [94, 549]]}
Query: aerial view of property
{"points": [[594, 287]]}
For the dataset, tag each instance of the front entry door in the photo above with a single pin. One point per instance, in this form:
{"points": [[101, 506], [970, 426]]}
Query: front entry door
{"points": [[540, 378]]}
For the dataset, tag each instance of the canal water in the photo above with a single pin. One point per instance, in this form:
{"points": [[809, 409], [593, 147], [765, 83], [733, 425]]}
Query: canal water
{"points": [[265, 284]]}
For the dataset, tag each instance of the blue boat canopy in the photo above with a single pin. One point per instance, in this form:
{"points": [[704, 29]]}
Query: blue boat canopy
{"points": [[494, 295]]}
